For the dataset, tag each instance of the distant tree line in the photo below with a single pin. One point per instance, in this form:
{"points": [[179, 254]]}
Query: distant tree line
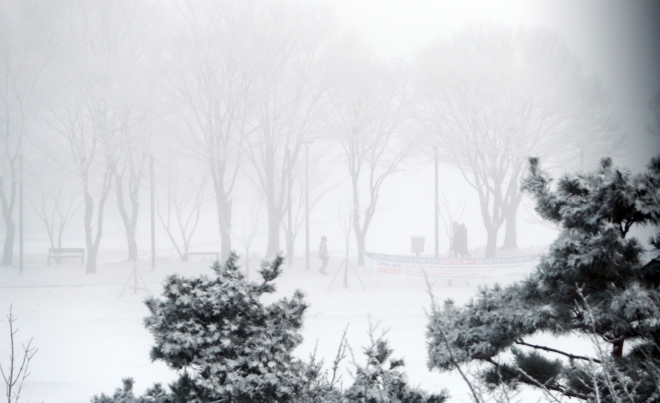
{"points": [[225, 98]]}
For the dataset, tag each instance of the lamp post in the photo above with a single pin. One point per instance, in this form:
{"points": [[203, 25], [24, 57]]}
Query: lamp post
{"points": [[153, 215], [20, 213], [437, 229], [307, 143], [289, 235]]}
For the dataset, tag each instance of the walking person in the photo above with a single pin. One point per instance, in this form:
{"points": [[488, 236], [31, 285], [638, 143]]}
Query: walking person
{"points": [[323, 254]]}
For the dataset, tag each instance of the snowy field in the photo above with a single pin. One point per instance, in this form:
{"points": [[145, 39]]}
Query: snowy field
{"points": [[90, 335]]}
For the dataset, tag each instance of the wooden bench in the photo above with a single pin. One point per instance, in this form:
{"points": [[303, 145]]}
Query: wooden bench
{"points": [[59, 253], [187, 254]]}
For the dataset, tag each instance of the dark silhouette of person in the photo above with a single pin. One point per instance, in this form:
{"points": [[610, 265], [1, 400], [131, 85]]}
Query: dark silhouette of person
{"points": [[323, 254]]}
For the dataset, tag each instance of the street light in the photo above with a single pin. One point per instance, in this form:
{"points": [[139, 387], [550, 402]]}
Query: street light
{"points": [[20, 213], [307, 143], [437, 227], [153, 214]]}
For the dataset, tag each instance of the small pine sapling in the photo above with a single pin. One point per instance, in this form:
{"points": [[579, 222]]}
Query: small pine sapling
{"points": [[382, 379], [231, 346], [321, 385], [125, 394]]}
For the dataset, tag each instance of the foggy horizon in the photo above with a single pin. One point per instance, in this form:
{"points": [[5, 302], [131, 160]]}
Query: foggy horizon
{"points": [[608, 45], [248, 120]]}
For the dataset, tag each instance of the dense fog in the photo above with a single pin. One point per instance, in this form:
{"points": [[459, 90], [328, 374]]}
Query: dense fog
{"points": [[240, 117], [369, 139]]}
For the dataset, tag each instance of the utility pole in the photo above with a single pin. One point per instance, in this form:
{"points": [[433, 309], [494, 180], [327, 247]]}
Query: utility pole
{"points": [[20, 213], [306, 205], [289, 237], [437, 207], [153, 215]]}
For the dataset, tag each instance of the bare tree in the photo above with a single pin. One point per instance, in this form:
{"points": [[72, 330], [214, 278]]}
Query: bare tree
{"points": [[185, 195], [495, 95], [296, 214], [20, 70], [15, 373], [367, 117], [129, 27], [84, 137], [128, 169], [287, 99], [251, 221], [212, 67], [94, 59], [450, 214], [55, 202]]}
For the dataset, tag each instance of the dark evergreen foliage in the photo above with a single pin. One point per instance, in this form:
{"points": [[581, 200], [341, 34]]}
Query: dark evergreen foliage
{"points": [[155, 394], [593, 282], [234, 347], [231, 347]]}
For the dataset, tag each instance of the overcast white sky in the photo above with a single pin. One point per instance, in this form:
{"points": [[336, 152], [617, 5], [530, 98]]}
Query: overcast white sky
{"points": [[619, 41]]}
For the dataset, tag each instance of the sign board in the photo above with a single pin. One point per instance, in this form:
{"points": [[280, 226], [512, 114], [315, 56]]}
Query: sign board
{"points": [[417, 244], [451, 267]]}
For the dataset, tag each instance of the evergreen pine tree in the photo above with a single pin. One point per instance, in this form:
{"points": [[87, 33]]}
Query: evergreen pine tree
{"points": [[593, 283], [382, 379], [233, 347], [230, 347]]}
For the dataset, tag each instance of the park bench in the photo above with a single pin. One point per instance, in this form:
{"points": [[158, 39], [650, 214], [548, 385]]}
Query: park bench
{"points": [[187, 254], [59, 253]]}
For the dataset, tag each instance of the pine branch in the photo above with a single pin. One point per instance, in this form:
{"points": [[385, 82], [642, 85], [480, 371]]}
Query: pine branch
{"points": [[552, 350], [547, 388]]}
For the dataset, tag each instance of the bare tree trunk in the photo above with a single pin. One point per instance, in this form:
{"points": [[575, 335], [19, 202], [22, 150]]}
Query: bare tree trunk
{"points": [[510, 235], [224, 215], [289, 229], [132, 243], [274, 220], [493, 213], [356, 218], [274, 213], [360, 244], [90, 268], [93, 242], [491, 242], [129, 222], [225, 243], [510, 213], [361, 228], [8, 250], [7, 212]]}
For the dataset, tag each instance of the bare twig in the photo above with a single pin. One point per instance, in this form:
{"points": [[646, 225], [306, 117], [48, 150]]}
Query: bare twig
{"points": [[15, 378]]}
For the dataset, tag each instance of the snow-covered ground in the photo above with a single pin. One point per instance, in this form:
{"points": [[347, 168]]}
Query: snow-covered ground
{"points": [[90, 335]]}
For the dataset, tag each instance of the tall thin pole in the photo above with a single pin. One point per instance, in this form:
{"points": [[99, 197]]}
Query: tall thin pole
{"points": [[20, 213], [289, 208], [306, 209], [153, 216], [437, 207]]}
